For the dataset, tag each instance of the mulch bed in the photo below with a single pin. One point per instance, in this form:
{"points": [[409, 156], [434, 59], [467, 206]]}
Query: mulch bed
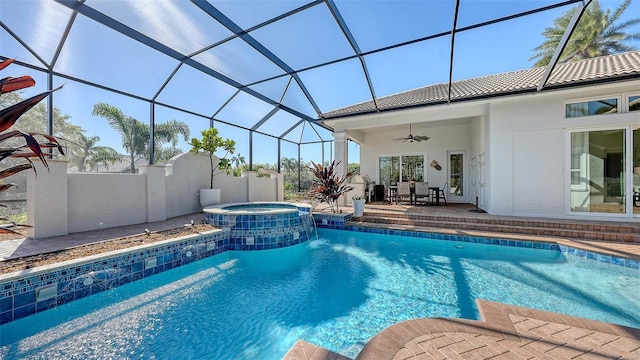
{"points": [[8, 266]]}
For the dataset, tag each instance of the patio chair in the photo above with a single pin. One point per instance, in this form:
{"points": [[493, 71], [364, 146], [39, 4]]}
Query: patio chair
{"points": [[404, 191], [422, 192], [442, 193]]}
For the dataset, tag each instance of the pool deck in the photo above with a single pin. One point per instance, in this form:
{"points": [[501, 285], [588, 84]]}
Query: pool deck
{"points": [[505, 331]]}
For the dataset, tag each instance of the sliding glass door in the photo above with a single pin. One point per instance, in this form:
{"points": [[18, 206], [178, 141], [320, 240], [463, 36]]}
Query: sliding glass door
{"points": [[635, 188], [598, 171]]}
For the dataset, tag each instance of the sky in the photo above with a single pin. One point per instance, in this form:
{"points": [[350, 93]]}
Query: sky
{"points": [[97, 54]]}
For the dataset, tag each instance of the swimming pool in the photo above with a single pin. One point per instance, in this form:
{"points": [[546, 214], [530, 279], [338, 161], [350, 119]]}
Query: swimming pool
{"points": [[336, 292]]}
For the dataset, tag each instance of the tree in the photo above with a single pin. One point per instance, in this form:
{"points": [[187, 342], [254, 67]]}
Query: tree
{"points": [[135, 134], [129, 128], [168, 132], [164, 154], [237, 161], [289, 164], [90, 154], [35, 120], [597, 33], [208, 144]]}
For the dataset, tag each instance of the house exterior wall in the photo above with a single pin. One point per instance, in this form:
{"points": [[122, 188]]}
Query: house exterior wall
{"points": [[519, 145], [529, 145], [462, 135]]}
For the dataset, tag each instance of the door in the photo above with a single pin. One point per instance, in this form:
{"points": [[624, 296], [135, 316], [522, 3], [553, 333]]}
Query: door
{"points": [[456, 190], [482, 181], [473, 179]]}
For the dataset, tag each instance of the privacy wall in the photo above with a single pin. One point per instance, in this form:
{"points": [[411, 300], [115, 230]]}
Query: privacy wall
{"points": [[59, 203]]}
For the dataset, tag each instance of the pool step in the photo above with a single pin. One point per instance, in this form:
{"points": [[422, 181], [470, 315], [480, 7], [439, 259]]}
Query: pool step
{"points": [[585, 230]]}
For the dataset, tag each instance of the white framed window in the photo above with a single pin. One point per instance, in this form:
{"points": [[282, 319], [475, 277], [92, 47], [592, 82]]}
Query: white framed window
{"points": [[633, 103], [403, 167], [590, 107]]}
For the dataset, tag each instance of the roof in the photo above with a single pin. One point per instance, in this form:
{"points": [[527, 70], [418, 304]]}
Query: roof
{"points": [[578, 73]]}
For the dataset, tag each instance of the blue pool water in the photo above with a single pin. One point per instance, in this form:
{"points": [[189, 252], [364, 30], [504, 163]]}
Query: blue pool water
{"points": [[336, 292]]}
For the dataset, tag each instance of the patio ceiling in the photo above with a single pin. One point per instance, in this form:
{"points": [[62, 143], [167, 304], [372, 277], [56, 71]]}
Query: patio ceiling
{"points": [[290, 62]]}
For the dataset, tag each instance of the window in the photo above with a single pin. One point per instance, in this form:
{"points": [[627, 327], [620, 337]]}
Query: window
{"points": [[593, 107], [634, 103], [579, 151], [393, 169]]}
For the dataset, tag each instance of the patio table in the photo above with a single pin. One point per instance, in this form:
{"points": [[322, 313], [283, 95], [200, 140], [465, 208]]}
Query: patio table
{"points": [[436, 191]]}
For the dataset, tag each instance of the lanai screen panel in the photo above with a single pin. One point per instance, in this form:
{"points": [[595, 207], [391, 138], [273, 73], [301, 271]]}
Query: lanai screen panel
{"points": [[304, 58]]}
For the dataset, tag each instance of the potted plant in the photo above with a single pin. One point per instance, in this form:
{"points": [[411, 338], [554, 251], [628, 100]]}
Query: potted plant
{"points": [[17, 144], [208, 144], [358, 205], [327, 185]]}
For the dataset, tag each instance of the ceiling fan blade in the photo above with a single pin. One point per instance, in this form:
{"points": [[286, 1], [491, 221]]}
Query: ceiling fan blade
{"points": [[421, 137]]}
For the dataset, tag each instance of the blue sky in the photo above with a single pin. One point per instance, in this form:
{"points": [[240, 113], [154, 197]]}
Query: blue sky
{"points": [[97, 54]]}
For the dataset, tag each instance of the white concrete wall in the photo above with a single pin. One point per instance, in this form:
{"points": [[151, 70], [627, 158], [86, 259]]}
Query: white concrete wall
{"points": [[59, 203], [185, 175], [262, 188], [49, 191], [528, 150], [98, 201]]}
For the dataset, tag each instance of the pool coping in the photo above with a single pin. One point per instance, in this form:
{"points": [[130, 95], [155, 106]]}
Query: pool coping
{"points": [[494, 335]]}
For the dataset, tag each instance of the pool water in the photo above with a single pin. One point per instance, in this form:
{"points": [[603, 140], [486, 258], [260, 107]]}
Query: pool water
{"points": [[336, 292]]}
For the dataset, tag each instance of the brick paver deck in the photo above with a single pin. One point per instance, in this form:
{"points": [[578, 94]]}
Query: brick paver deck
{"points": [[505, 332]]}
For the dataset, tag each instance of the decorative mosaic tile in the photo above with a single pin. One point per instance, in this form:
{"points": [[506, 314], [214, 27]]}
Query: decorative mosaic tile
{"points": [[74, 281]]}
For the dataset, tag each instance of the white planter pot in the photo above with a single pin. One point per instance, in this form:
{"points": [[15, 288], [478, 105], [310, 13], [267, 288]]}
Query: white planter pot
{"points": [[209, 197], [358, 207]]}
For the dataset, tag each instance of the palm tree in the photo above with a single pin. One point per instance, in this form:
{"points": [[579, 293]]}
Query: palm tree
{"points": [[92, 155], [135, 134], [168, 132], [596, 34], [130, 129], [237, 161], [162, 155]]}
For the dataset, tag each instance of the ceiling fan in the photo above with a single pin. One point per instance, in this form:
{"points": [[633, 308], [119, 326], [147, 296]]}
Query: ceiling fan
{"points": [[411, 137]]}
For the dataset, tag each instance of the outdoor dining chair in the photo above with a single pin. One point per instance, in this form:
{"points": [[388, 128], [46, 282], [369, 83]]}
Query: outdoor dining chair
{"points": [[442, 193], [404, 191], [422, 192]]}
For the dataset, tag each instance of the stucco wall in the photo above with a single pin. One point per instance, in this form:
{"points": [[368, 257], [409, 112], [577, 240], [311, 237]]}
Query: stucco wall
{"points": [[97, 201], [528, 150], [75, 202]]}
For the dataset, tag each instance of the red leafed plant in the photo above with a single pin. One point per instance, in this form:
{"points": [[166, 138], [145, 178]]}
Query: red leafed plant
{"points": [[18, 144], [327, 185]]}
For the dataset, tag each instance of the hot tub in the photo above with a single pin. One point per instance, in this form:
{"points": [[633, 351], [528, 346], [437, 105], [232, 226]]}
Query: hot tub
{"points": [[263, 225]]}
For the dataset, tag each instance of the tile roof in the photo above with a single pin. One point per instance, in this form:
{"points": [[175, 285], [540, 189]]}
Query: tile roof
{"points": [[600, 69]]}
